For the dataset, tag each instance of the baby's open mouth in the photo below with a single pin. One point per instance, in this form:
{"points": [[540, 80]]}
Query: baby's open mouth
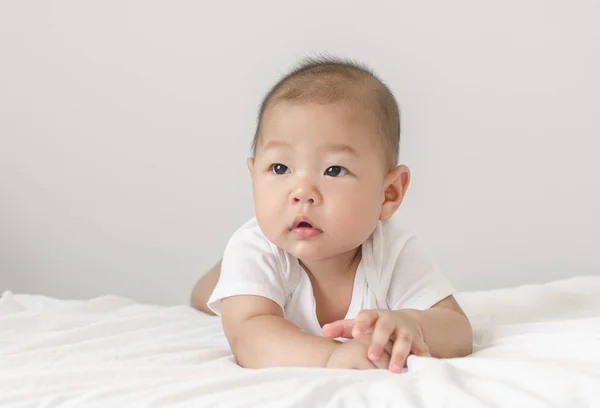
{"points": [[304, 228]]}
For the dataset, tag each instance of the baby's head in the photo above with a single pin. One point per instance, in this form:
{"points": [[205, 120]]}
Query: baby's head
{"points": [[324, 165]]}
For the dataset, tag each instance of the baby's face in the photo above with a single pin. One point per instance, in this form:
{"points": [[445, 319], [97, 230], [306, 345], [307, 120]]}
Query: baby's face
{"points": [[318, 178]]}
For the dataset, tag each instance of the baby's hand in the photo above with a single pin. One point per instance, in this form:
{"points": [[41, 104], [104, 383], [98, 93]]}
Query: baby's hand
{"points": [[385, 325], [352, 354]]}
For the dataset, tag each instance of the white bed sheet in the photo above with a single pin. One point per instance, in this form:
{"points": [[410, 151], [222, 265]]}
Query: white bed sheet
{"points": [[535, 346]]}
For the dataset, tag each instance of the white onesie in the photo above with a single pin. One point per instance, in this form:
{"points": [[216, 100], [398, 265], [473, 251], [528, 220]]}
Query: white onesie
{"points": [[395, 272]]}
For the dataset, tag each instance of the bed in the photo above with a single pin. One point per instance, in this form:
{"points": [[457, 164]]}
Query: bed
{"points": [[534, 346]]}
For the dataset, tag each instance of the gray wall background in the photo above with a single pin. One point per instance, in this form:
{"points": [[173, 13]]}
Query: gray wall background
{"points": [[125, 125]]}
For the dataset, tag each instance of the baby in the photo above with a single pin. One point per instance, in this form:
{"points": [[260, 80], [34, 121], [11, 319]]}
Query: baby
{"points": [[322, 276]]}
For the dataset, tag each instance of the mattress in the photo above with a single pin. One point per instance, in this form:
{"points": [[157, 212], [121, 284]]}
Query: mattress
{"points": [[534, 346]]}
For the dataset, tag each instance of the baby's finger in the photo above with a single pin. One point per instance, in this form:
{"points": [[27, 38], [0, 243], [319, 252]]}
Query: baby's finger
{"points": [[384, 360], [339, 328], [380, 337], [400, 351], [388, 347], [419, 347], [363, 321]]}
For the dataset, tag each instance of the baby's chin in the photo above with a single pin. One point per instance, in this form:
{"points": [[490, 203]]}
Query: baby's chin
{"points": [[314, 251], [303, 249]]}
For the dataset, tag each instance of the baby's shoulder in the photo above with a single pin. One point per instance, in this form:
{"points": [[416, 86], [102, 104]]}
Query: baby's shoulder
{"points": [[249, 231], [250, 238], [392, 235], [251, 243], [392, 246]]}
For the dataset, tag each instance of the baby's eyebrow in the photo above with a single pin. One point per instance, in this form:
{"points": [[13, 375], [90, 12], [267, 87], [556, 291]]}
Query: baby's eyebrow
{"points": [[332, 148], [271, 144], [342, 148]]}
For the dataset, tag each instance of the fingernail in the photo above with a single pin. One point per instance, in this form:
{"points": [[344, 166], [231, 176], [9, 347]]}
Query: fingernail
{"points": [[373, 357], [395, 368]]}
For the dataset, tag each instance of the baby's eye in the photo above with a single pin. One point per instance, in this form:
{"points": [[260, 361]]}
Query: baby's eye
{"points": [[279, 168], [336, 171]]}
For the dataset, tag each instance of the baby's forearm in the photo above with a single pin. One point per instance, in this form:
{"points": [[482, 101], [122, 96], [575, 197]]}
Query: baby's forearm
{"points": [[271, 341], [447, 333]]}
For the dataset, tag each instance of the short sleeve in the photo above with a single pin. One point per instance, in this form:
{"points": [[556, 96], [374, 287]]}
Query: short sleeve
{"points": [[416, 282], [250, 267]]}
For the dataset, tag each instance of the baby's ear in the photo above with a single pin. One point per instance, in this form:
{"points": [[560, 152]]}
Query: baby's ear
{"points": [[250, 163], [395, 186]]}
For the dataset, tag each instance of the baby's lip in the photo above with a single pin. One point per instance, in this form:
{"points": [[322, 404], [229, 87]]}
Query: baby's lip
{"points": [[303, 219]]}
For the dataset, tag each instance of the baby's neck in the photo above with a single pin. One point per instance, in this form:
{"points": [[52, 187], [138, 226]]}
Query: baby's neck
{"points": [[333, 268]]}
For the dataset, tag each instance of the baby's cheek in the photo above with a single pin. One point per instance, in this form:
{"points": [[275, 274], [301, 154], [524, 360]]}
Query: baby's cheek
{"points": [[357, 220], [268, 214], [264, 199]]}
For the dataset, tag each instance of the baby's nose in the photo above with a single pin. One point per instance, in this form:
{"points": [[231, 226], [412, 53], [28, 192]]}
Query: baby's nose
{"points": [[300, 198], [306, 194]]}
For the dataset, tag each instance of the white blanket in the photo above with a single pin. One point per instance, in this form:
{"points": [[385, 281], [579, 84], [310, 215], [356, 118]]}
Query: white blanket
{"points": [[535, 346]]}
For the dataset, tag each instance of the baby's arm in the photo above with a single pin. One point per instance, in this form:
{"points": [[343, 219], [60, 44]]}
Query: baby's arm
{"points": [[260, 337], [441, 331], [446, 329], [204, 288]]}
